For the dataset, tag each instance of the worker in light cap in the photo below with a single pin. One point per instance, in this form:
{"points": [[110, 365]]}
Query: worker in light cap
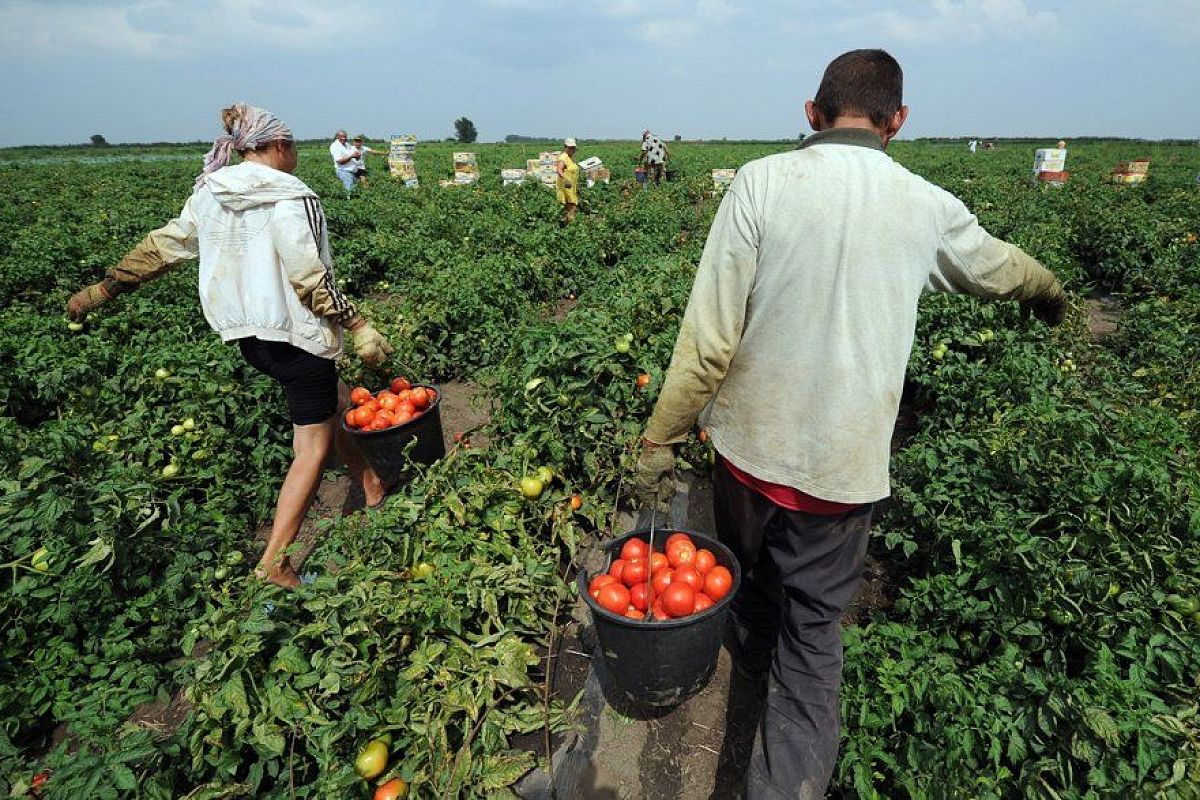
{"points": [[266, 283], [566, 185], [654, 156]]}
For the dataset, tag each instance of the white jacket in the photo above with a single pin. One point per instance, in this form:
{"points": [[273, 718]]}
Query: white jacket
{"points": [[265, 266], [801, 318]]}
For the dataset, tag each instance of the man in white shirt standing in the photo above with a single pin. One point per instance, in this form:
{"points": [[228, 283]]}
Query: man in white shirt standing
{"points": [[345, 161], [792, 353]]}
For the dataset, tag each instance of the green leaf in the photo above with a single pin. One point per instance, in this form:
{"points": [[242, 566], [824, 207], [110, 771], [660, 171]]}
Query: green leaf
{"points": [[500, 771], [233, 696], [1101, 723]]}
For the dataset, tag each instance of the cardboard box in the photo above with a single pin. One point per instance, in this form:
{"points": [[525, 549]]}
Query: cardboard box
{"points": [[593, 162]]}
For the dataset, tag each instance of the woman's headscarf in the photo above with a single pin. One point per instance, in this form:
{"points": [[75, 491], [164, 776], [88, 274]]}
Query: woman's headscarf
{"points": [[252, 128]]}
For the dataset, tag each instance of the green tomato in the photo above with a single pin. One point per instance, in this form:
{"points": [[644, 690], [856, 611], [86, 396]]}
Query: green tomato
{"points": [[170, 470], [235, 557], [621, 346], [531, 487], [40, 560], [162, 373], [627, 337], [423, 570], [220, 573], [189, 424], [545, 474], [99, 445], [938, 353], [75, 326], [372, 761], [178, 430], [1184, 605], [1060, 616], [199, 455]]}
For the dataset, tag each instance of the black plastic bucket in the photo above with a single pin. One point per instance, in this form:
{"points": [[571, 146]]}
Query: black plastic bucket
{"points": [[662, 663], [384, 450]]}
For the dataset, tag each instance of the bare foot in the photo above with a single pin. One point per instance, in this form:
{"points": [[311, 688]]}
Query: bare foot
{"points": [[283, 576], [374, 492]]}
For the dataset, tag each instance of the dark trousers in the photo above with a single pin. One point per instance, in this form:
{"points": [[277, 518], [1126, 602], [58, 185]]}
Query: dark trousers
{"points": [[799, 572]]}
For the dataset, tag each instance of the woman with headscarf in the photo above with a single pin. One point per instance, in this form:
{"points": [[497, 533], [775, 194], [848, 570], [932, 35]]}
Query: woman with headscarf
{"points": [[266, 282], [566, 185]]}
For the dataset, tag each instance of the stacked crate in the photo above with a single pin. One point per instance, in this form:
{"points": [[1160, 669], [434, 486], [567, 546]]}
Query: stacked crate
{"points": [[595, 171], [1050, 166], [721, 179], [1131, 173], [512, 177], [466, 169], [401, 162], [542, 168]]}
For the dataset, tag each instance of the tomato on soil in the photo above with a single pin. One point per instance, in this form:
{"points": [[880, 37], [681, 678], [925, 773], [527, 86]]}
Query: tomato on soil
{"points": [[613, 597], [679, 599], [718, 582], [704, 561]]}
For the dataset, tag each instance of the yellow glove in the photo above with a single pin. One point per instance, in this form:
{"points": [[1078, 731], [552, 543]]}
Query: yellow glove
{"points": [[1050, 308], [653, 483], [85, 300], [369, 345]]}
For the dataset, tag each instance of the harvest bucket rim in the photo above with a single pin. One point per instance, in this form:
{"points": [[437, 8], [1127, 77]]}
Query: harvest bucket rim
{"points": [[396, 428]]}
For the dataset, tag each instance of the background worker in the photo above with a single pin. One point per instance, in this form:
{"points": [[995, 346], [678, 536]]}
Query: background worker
{"points": [[792, 352], [266, 282], [345, 161], [654, 156], [360, 170], [566, 185]]}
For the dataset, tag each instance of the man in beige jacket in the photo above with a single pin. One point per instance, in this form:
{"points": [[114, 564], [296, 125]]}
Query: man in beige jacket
{"points": [[791, 353]]}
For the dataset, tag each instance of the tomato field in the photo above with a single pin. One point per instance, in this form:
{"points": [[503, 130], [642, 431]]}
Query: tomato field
{"points": [[1041, 635]]}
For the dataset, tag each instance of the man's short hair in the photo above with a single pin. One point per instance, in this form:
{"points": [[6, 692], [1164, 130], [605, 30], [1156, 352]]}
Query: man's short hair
{"points": [[866, 83]]}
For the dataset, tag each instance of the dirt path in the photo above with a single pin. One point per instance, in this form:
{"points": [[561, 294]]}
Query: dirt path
{"points": [[1104, 312]]}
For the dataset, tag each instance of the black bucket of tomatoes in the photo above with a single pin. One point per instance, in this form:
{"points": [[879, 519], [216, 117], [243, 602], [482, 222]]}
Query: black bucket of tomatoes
{"points": [[659, 613], [384, 424]]}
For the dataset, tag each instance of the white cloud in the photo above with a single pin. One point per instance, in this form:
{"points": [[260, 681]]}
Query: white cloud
{"points": [[966, 21], [172, 28]]}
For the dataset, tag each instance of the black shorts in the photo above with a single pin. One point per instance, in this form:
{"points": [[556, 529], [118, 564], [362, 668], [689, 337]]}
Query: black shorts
{"points": [[311, 382], [361, 172]]}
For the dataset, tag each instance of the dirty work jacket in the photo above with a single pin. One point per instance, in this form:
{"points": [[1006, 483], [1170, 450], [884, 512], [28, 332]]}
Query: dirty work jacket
{"points": [[802, 315], [265, 265]]}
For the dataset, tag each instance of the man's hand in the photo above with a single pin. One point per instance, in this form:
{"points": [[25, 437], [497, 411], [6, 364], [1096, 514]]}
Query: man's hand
{"points": [[654, 483], [85, 300], [369, 345], [1050, 308]]}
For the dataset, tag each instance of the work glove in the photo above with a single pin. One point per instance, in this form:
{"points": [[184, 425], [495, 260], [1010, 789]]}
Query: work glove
{"points": [[85, 300], [567, 184], [1049, 307], [370, 346], [653, 482]]}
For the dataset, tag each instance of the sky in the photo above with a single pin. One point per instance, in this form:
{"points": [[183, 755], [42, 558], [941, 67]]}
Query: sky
{"points": [[161, 70]]}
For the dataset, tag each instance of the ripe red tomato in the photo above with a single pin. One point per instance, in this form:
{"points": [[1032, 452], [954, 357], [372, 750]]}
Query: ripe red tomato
{"points": [[420, 398], [613, 597], [405, 407], [661, 580], [351, 418], [395, 789], [681, 553], [598, 582], [378, 423], [679, 600], [657, 609], [372, 404], [643, 381], [359, 395], [387, 400], [634, 548], [688, 574], [635, 572], [718, 582], [640, 596], [615, 568], [388, 418], [657, 562], [704, 561], [399, 385], [703, 602], [678, 536], [431, 394], [633, 613], [362, 416]]}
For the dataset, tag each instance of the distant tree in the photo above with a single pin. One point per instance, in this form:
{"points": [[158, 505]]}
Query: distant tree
{"points": [[678, 137], [99, 141], [464, 129]]}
